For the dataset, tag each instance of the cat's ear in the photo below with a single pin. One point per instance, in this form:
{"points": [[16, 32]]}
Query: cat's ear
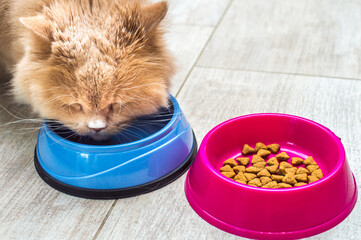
{"points": [[39, 25], [153, 14]]}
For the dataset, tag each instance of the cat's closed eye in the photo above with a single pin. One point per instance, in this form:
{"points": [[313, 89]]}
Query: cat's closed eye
{"points": [[76, 107]]}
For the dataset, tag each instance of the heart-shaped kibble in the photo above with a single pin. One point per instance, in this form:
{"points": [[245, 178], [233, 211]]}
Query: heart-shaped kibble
{"points": [[259, 165], [247, 150], [256, 159], [301, 170], [274, 148], [237, 169], [265, 180], [259, 146], [301, 177], [263, 153], [297, 161], [255, 182], [231, 162], [277, 178], [282, 156], [263, 173], [250, 176], [243, 161], [290, 179], [309, 161], [253, 170], [317, 173], [272, 161], [284, 185], [229, 174], [272, 184], [240, 176], [272, 169], [226, 168], [312, 168]]}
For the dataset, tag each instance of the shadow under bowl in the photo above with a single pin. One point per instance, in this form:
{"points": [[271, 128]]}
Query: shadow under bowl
{"points": [[151, 153], [259, 213]]}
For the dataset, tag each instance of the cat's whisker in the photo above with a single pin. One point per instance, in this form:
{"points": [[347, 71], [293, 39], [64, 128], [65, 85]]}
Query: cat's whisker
{"points": [[129, 111], [21, 121], [1, 106], [134, 133], [53, 99]]}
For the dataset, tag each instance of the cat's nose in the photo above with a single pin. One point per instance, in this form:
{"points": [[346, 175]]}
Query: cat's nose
{"points": [[97, 129], [97, 125]]}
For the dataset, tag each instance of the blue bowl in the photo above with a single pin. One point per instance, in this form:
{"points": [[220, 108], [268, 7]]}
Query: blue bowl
{"points": [[151, 153]]}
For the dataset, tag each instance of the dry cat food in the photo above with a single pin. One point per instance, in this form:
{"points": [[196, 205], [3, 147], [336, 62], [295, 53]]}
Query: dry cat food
{"points": [[266, 171]]}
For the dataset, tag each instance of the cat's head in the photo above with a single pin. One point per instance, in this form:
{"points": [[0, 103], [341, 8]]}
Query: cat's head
{"points": [[95, 67]]}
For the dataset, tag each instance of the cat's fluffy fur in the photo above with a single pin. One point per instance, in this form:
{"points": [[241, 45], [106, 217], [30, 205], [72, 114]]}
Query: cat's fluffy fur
{"points": [[82, 60]]}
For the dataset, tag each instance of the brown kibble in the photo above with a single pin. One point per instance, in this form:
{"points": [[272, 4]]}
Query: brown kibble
{"points": [[231, 162], [300, 184], [272, 184], [237, 169], [276, 172], [259, 165], [255, 182], [256, 159], [229, 174], [240, 181], [259, 146], [301, 177], [250, 176], [283, 185], [240, 176], [272, 169], [243, 161], [263, 173], [253, 170], [282, 156], [290, 179], [301, 170], [247, 150], [309, 161], [226, 168], [312, 179], [263, 153], [291, 170], [274, 148], [317, 173], [277, 178], [283, 166], [312, 168], [265, 180], [272, 161], [297, 160]]}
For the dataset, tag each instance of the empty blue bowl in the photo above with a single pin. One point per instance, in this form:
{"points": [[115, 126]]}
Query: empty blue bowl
{"points": [[151, 153]]}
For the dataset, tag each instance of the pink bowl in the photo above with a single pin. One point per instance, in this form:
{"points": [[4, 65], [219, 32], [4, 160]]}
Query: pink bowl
{"points": [[271, 213]]}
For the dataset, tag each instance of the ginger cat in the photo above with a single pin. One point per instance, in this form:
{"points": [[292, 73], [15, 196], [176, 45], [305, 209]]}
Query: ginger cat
{"points": [[93, 65]]}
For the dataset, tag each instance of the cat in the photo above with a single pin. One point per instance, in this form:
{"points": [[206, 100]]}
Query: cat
{"points": [[92, 65]]}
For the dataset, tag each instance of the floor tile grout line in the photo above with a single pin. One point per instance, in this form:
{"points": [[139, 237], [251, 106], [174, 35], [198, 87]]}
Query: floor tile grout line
{"points": [[204, 47], [273, 72], [100, 228]]}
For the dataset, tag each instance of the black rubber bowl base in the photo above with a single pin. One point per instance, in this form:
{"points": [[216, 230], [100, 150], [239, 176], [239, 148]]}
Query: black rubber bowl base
{"points": [[121, 192]]}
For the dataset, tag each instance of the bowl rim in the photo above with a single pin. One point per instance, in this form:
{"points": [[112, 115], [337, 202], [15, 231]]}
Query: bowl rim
{"points": [[141, 142], [340, 162]]}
